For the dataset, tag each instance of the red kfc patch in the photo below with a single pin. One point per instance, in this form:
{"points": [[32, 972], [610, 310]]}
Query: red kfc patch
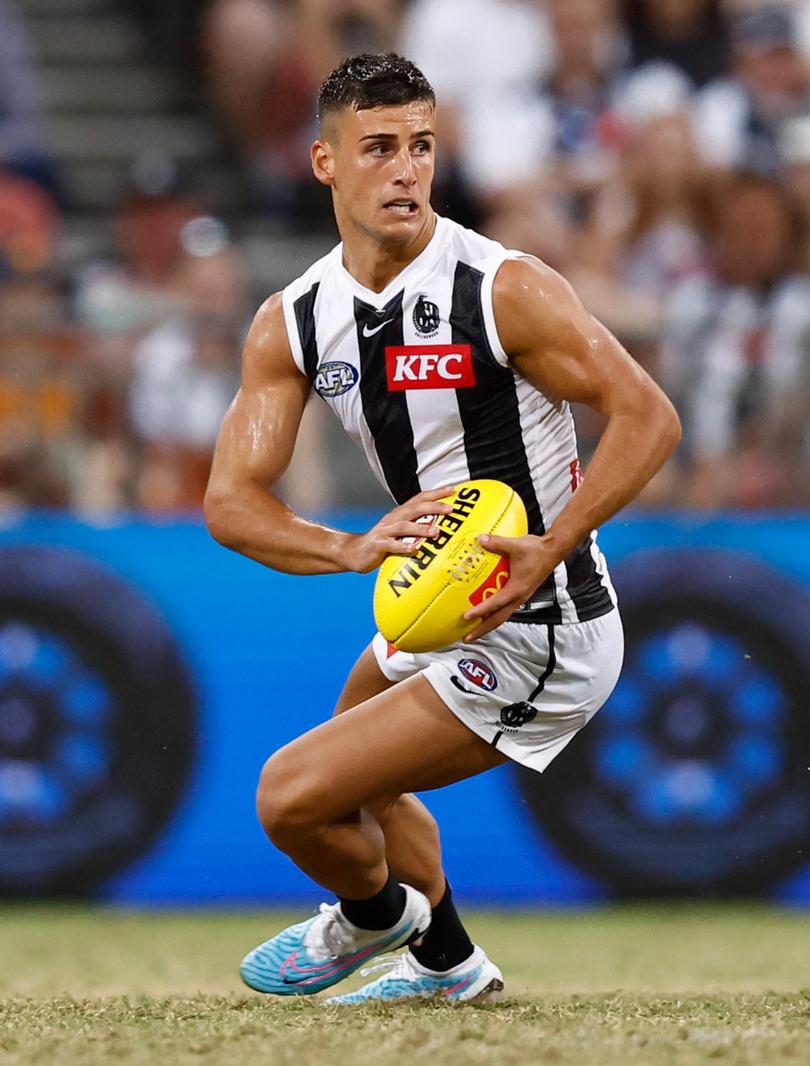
{"points": [[429, 366]]}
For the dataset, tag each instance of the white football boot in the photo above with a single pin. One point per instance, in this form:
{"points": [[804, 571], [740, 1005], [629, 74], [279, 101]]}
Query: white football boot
{"points": [[313, 955], [476, 980]]}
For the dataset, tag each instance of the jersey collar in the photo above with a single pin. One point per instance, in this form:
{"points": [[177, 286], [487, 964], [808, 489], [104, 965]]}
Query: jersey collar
{"points": [[425, 257]]}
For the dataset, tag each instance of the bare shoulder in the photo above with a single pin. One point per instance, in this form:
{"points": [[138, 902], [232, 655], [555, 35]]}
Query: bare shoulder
{"points": [[267, 355], [269, 316], [533, 304], [527, 272]]}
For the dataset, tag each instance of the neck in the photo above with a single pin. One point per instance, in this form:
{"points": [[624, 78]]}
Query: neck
{"points": [[374, 263]]}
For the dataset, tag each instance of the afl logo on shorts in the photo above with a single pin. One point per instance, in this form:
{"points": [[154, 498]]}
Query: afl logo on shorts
{"points": [[333, 379], [426, 317], [479, 674]]}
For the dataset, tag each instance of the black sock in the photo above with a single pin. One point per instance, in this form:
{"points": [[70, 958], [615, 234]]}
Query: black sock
{"points": [[378, 912], [446, 943]]}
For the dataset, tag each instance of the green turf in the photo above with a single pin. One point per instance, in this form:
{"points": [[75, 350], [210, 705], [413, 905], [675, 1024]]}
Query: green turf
{"points": [[618, 987]]}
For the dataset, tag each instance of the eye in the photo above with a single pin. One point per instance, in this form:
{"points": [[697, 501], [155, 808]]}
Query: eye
{"points": [[378, 149], [422, 147]]}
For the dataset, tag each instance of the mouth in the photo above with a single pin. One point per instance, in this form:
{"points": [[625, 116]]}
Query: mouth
{"points": [[403, 208]]}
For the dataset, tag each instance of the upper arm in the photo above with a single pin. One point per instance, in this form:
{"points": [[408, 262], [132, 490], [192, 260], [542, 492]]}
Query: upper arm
{"points": [[257, 436], [559, 346]]}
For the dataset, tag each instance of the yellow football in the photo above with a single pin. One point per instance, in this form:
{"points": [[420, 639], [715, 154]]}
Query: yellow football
{"points": [[419, 600]]}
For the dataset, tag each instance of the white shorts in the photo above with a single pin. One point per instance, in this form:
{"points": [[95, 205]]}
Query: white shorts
{"points": [[525, 689]]}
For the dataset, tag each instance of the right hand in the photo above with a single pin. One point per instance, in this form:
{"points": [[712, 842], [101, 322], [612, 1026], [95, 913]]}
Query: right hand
{"points": [[365, 551]]}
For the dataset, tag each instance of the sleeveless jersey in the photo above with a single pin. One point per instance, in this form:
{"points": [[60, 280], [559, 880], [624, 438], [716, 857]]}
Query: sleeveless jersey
{"points": [[419, 379]]}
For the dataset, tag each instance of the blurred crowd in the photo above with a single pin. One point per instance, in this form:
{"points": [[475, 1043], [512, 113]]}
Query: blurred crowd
{"points": [[656, 152]]}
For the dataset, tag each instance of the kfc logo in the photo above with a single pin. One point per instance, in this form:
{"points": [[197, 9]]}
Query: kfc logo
{"points": [[429, 366]]}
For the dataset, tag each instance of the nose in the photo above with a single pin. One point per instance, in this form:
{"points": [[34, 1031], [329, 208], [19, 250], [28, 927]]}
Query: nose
{"points": [[405, 171]]}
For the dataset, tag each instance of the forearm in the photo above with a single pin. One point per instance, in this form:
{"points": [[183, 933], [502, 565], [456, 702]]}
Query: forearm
{"points": [[254, 522], [631, 450]]}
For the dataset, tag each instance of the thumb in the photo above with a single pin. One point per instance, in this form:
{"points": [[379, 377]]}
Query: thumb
{"points": [[500, 545]]}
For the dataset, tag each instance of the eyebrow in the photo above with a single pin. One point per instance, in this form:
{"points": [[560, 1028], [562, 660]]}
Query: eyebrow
{"points": [[393, 136]]}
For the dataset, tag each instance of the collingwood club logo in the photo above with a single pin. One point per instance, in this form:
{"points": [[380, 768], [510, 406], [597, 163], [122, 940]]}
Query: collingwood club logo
{"points": [[426, 317], [517, 714]]}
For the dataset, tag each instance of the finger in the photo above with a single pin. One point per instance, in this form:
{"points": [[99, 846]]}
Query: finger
{"points": [[395, 546], [424, 508], [499, 545], [438, 494], [424, 503], [422, 530], [504, 597], [491, 623], [403, 526]]}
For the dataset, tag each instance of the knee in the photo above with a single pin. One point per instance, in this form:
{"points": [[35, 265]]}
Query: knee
{"points": [[286, 800]]}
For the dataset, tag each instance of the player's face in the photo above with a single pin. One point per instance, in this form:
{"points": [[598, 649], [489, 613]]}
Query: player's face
{"points": [[379, 163]]}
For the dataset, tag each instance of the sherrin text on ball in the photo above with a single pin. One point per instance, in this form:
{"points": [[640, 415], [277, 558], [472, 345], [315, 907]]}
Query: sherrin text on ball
{"points": [[420, 600]]}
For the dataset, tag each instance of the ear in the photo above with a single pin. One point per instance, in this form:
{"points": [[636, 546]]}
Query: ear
{"points": [[323, 162]]}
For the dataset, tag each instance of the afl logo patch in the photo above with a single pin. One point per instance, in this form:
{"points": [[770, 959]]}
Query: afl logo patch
{"points": [[333, 379], [479, 674], [426, 317]]}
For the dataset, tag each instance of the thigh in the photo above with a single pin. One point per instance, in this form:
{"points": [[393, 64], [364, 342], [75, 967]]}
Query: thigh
{"points": [[404, 739], [365, 680], [528, 689]]}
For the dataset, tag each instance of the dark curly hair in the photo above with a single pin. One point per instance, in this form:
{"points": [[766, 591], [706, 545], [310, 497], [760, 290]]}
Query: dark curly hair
{"points": [[368, 80]]}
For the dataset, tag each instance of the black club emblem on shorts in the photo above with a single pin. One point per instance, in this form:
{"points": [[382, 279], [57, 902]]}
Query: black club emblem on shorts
{"points": [[517, 714], [426, 317]]}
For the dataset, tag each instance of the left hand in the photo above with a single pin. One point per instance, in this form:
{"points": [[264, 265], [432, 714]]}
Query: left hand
{"points": [[531, 560]]}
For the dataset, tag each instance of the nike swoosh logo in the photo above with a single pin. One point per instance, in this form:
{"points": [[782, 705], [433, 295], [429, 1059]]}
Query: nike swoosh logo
{"points": [[309, 974], [370, 332], [459, 685]]}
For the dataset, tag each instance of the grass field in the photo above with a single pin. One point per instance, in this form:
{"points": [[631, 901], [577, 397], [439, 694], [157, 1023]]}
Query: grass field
{"points": [[618, 987]]}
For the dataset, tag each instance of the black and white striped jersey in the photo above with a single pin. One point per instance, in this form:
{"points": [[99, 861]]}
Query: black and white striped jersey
{"points": [[419, 379]]}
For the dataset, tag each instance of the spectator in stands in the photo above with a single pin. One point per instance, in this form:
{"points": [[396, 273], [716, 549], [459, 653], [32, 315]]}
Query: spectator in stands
{"points": [[734, 355], [486, 59], [265, 60], [136, 289], [23, 142], [30, 225], [738, 120], [45, 389], [689, 34], [534, 147], [643, 231], [590, 52], [794, 146], [185, 372]]}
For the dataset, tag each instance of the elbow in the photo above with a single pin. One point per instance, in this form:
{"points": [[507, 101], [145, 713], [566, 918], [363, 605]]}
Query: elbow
{"points": [[216, 513], [670, 423], [656, 413]]}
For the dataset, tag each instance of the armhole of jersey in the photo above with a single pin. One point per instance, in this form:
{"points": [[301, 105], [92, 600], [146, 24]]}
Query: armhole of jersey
{"points": [[490, 270], [287, 303]]}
